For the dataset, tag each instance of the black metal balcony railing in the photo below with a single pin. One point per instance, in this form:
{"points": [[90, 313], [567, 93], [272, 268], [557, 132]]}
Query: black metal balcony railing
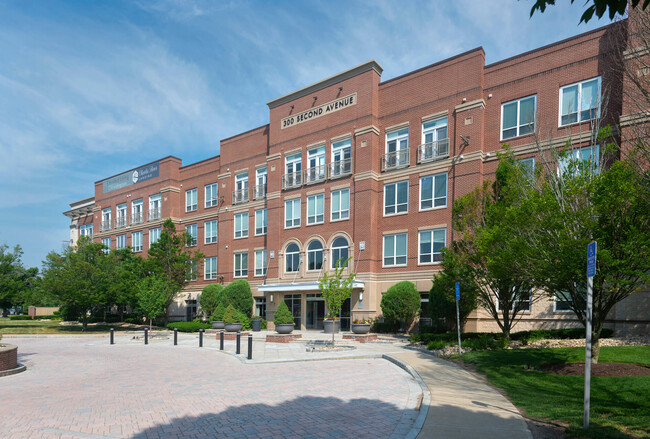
{"points": [[315, 174], [259, 191], [136, 218], [153, 214], [430, 152], [395, 160], [340, 168], [106, 225], [292, 180], [120, 222], [240, 196]]}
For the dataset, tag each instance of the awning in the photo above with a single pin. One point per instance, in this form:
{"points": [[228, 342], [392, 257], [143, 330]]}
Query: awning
{"points": [[310, 286]]}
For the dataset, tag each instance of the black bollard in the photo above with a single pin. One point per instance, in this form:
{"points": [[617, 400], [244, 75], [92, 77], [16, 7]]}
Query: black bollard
{"points": [[175, 336], [201, 337], [238, 343], [146, 335], [112, 336], [221, 340], [250, 346]]}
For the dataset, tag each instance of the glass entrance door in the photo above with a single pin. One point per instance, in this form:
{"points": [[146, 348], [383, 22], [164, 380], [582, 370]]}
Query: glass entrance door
{"points": [[345, 315], [293, 302], [315, 312]]}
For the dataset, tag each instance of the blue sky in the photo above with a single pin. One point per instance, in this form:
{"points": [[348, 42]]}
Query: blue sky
{"points": [[89, 89]]}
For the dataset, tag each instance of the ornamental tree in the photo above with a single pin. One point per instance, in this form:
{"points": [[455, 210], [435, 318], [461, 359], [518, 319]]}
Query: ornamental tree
{"points": [[152, 297], [336, 288]]}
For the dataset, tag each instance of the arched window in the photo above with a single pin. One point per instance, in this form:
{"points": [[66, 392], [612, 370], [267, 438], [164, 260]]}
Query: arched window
{"points": [[315, 255], [339, 251], [292, 258]]}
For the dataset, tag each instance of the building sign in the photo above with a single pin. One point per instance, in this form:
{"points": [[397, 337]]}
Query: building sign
{"points": [[131, 177], [319, 111]]}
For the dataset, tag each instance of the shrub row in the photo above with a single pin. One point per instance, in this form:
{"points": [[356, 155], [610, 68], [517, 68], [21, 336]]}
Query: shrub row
{"points": [[23, 317], [20, 317], [188, 326]]}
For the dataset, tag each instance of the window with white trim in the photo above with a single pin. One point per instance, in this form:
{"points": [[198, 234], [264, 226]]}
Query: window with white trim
{"points": [[136, 211], [136, 241], [120, 215], [580, 160], [210, 271], [211, 232], [154, 207], [431, 244], [315, 165], [340, 204], [154, 235], [579, 102], [191, 230], [260, 222], [561, 302], [316, 209], [121, 241], [292, 213], [433, 191], [241, 264], [260, 262], [211, 194], [518, 117], [524, 299], [292, 258], [341, 154], [339, 251], [193, 272], [107, 243], [191, 200], [397, 140], [86, 230], [527, 167], [396, 197], [395, 247], [106, 219], [241, 225]]}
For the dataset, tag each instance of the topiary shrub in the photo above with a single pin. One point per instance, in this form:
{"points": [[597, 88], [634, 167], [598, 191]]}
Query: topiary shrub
{"points": [[401, 302], [239, 295], [218, 314], [211, 297], [282, 315], [232, 315]]}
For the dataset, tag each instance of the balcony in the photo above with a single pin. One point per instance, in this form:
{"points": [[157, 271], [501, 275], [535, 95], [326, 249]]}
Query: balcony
{"points": [[240, 196], [292, 180], [120, 222], [315, 174], [430, 152], [136, 218], [395, 160], [340, 168], [153, 214], [259, 192], [106, 225]]}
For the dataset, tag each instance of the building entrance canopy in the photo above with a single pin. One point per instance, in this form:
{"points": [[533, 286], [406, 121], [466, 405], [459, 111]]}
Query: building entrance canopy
{"points": [[307, 286]]}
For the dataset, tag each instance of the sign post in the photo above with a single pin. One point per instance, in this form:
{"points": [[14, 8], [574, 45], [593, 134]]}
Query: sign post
{"points": [[591, 272], [458, 316]]}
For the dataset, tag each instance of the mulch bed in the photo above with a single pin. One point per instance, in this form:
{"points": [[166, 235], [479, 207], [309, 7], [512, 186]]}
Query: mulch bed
{"points": [[598, 370]]}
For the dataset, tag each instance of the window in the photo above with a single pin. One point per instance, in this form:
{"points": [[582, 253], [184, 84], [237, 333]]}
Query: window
{"points": [[190, 200], [293, 171], [154, 235], [240, 195], [260, 183], [241, 264], [191, 230], [260, 222], [339, 251], [136, 211], [292, 213], [315, 256], [518, 117], [434, 130], [561, 302], [292, 258], [580, 160], [211, 232], [154, 207], [260, 262], [210, 268], [315, 209], [527, 167], [107, 243], [341, 158], [524, 299], [395, 249], [211, 195], [241, 225], [315, 165], [397, 140], [396, 197], [340, 204], [433, 191], [193, 271], [136, 241], [580, 102], [431, 243], [86, 230], [106, 219], [120, 216], [121, 242], [435, 140]]}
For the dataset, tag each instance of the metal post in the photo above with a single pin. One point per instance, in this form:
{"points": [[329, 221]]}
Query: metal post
{"points": [[221, 340], [590, 299], [201, 337], [250, 346], [458, 325], [175, 336], [146, 335], [112, 336], [238, 343]]}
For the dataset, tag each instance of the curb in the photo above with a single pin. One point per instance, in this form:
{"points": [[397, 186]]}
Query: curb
{"points": [[20, 368]]}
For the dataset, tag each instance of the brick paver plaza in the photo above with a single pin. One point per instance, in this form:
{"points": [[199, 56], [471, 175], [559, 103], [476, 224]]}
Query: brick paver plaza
{"points": [[82, 387]]}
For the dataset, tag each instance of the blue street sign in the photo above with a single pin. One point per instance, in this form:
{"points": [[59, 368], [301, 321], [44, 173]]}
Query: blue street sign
{"points": [[591, 259], [457, 291]]}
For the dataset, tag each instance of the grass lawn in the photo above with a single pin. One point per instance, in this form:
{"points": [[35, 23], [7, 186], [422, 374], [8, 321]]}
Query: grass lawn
{"points": [[53, 327], [620, 406]]}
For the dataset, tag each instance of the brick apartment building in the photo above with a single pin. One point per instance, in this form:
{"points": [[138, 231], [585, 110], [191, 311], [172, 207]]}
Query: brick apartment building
{"points": [[360, 167]]}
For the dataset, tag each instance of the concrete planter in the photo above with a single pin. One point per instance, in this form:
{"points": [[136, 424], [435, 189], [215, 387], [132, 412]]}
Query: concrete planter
{"points": [[233, 327], [360, 328], [217, 325], [332, 325], [284, 328], [257, 325]]}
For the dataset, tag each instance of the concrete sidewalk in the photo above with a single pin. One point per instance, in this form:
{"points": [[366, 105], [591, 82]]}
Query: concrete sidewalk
{"points": [[462, 405]]}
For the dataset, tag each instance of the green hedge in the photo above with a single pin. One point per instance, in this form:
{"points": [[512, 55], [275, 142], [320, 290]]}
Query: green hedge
{"points": [[188, 326], [20, 317]]}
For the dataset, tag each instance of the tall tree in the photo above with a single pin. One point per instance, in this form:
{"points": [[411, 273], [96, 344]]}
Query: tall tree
{"points": [[128, 270], [152, 297], [14, 277], [597, 7], [172, 258]]}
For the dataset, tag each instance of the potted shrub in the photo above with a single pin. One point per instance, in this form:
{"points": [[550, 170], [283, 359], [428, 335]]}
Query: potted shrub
{"points": [[232, 320], [360, 326], [217, 317], [283, 319], [257, 323]]}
